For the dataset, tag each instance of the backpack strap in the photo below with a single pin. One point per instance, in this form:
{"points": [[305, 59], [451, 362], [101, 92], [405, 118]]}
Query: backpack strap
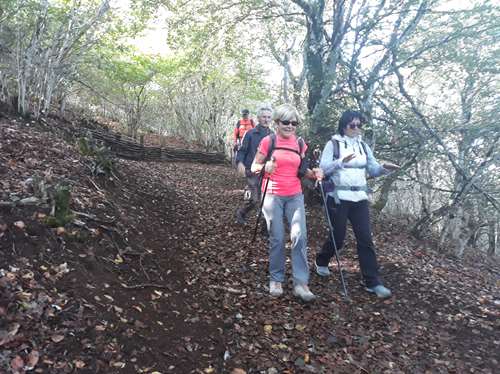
{"points": [[363, 144], [336, 148], [270, 150], [272, 147], [300, 142]]}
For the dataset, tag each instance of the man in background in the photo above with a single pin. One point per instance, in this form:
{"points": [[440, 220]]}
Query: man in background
{"points": [[243, 125], [244, 159]]}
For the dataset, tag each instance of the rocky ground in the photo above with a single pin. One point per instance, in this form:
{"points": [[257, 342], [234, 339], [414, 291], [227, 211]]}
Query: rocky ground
{"points": [[153, 275]]}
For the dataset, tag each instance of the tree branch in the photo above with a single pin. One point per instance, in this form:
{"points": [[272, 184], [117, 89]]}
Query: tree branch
{"points": [[436, 137]]}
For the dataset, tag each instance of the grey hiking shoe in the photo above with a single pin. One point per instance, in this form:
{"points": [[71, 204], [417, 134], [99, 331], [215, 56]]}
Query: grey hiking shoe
{"points": [[303, 292], [322, 271], [381, 291], [275, 288]]}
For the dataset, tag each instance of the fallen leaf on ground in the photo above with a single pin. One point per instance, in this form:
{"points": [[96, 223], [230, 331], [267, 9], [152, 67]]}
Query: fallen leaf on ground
{"points": [[79, 364], [57, 338], [268, 329], [33, 358], [16, 363], [238, 371]]}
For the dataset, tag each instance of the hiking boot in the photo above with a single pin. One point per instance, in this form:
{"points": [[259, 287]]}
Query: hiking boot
{"points": [[322, 271], [303, 292], [275, 288], [240, 217], [381, 291]]}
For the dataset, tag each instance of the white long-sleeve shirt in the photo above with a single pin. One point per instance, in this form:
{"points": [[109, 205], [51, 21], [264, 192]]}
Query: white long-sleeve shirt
{"points": [[352, 173]]}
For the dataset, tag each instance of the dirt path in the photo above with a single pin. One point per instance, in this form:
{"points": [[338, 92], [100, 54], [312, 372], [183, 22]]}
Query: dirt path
{"points": [[442, 318], [156, 276]]}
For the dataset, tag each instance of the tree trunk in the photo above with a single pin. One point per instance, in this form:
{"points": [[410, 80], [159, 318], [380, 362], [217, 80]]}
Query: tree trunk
{"points": [[456, 232], [62, 105], [423, 224], [492, 237], [384, 193], [314, 49], [314, 61], [424, 203]]}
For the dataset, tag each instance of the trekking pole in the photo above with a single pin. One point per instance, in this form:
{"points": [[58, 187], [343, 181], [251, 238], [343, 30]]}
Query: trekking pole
{"points": [[332, 237], [260, 210], [233, 156]]}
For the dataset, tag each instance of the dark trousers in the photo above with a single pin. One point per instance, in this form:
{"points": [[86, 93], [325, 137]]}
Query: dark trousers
{"points": [[358, 214], [252, 201]]}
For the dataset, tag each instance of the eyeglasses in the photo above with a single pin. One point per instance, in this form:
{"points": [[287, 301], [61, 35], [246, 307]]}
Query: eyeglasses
{"points": [[286, 123], [352, 126]]}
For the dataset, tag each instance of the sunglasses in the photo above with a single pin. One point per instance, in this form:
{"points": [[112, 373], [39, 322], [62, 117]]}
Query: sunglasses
{"points": [[352, 126], [286, 123]]}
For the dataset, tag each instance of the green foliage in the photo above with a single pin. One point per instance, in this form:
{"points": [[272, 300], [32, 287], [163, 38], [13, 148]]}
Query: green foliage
{"points": [[215, 38], [102, 161], [42, 45], [206, 63], [62, 212], [84, 147]]}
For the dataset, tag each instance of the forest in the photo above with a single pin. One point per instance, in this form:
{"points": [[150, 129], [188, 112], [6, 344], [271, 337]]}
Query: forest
{"points": [[424, 73], [175, 73]]}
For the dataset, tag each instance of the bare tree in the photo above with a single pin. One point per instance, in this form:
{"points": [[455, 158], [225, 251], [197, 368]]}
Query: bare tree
{"points": [[45, 50]]}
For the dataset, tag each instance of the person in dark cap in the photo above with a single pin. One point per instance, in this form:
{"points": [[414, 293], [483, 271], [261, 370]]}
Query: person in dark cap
{"points": [[242, 126]]}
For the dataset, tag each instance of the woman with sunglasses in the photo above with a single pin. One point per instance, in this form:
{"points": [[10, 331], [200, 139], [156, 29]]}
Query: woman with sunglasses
{"points": [[284, 166], [345, 161]]}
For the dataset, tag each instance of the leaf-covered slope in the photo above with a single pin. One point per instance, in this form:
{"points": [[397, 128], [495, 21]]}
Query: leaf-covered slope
{"points": [[108, 292]]}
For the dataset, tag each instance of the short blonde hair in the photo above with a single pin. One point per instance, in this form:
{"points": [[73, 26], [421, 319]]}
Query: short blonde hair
{"points": [[286, 112]]}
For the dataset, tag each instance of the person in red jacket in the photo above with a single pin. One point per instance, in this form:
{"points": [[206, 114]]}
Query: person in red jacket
{"points": [[242, 126]]}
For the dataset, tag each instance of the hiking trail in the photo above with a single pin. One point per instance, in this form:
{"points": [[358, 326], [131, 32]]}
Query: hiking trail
{"points": [[155, 275]]}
